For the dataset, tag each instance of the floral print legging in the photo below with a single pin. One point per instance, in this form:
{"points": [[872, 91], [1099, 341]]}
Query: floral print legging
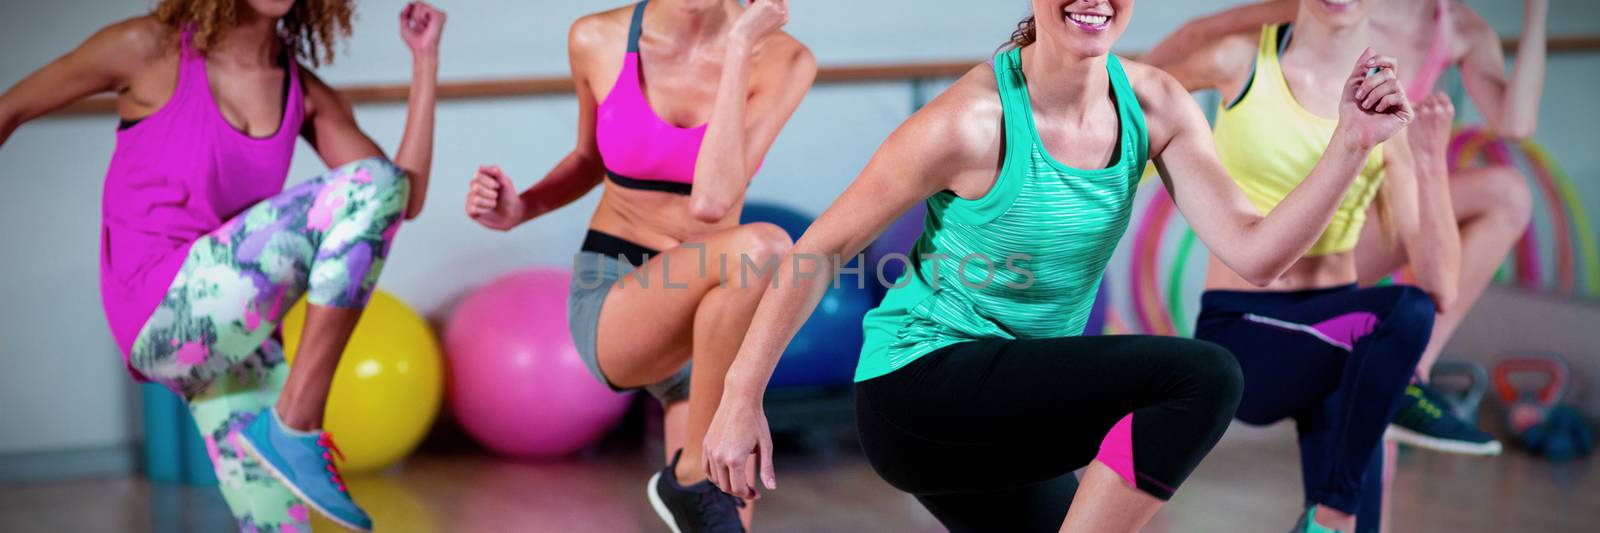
{"points": [[211, 339]]}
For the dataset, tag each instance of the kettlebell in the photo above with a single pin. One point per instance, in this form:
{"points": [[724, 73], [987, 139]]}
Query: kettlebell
{"points": [[1563, 436], [1526, 406], [1465, 401]]}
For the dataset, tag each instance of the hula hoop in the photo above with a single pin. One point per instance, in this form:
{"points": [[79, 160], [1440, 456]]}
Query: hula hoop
{"points": [[1175, 285], [1147, 302], [1588, 247]]}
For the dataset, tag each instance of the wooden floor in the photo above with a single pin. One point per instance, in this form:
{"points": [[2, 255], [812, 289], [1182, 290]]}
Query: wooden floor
{"points": [[1249, 483]]}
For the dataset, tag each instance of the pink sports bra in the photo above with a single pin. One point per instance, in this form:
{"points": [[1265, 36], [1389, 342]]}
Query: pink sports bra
{"points": [[1439, 54], [638, 148]]}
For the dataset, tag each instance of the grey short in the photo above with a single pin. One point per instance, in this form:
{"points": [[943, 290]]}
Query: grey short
{"points": [[593, 275]]}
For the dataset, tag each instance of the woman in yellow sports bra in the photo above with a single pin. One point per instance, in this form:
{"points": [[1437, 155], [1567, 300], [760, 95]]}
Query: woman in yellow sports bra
{"points": [[1313, 346], [1492, 203]]}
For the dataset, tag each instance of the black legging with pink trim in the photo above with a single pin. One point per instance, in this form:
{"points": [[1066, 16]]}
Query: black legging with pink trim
{"points": [[987, 434]]}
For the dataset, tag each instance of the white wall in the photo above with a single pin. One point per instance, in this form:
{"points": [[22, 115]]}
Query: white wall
{"points": [[61, 383]]}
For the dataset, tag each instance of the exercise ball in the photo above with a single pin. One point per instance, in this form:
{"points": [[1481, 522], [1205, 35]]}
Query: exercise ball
{"points": [[387, 388], [825, 350], [901, 236], [795, 224], [517, 385]]}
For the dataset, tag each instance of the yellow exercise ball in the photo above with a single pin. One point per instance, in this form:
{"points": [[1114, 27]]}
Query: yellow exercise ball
{"points": [[388, 386]]}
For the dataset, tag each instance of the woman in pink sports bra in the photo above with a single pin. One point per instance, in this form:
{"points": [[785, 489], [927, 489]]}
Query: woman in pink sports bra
{"points": [[203, 249], [1492, 204], [676, 153]]}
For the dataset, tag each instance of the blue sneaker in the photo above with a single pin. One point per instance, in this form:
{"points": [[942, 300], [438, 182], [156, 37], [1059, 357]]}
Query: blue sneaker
{"points": [[303, 462], [1425, 421]]}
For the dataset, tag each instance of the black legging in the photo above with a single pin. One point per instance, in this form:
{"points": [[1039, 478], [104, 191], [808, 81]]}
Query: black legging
{"points": [[986, 434]]}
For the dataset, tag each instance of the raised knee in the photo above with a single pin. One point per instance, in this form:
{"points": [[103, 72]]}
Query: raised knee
{"points": [[386, 180], [1514, 199], [1411, 319], [764, 242], [1220, 374], [1209, 374], [1413, 307]]}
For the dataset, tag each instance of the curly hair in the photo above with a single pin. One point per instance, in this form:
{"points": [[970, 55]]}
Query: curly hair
{"points": [[310, 28], [1025, 34]]}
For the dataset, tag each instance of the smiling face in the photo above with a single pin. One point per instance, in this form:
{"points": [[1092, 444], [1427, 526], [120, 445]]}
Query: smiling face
{"points": [[1083, 27], [1339, 13]]}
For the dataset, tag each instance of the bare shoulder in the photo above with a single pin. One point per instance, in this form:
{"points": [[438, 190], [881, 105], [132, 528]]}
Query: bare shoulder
{"points": [[1156, 89], [1168, 107], [1214, 62], [1471, 29], [597, 31], [786, 52], [966, 120], [134, 42]]}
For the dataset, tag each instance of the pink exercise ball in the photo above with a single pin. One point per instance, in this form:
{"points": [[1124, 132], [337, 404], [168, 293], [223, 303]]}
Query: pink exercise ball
{"points": [[517, 385]]}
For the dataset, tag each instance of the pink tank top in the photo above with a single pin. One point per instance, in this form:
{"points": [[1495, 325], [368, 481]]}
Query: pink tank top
{"points": [[175, 176], [1439, 56]]}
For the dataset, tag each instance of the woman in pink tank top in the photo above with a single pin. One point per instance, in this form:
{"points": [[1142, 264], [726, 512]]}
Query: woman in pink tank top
{"points": [[202, 248], [678, 103], [1492, 204]]}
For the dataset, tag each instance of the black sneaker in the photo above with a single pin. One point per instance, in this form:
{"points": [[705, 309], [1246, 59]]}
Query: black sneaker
{"points": [[1425, 421], [701, 507]]}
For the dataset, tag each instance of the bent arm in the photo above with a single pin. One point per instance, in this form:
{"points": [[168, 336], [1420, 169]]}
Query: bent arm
{"points": [[743, 127], [576, 174], [1259, 248], [1203, 32], [1509, 105], [334, 134], [1214, 60], [1419, 200], [915, 162]]}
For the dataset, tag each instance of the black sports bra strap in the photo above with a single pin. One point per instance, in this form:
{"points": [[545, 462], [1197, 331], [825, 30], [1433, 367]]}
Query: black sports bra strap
{"points": [[637, 27]]}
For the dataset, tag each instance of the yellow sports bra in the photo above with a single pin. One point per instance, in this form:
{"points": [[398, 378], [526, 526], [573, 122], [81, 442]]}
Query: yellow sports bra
{"points": [[1269, 143]]}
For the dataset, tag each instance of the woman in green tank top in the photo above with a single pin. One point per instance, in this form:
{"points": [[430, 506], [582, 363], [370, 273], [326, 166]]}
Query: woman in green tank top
{"points": [[974, 391]]}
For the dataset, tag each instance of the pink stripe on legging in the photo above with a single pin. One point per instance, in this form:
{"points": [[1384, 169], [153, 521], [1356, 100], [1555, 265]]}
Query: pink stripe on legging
{"points": [[1116, 450], [1341, 331]]}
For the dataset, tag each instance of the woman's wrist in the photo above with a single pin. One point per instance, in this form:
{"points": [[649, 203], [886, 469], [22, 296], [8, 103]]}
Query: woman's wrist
{"points": [[425, 64], [738, 51], [739, 386], [1347, 141]]}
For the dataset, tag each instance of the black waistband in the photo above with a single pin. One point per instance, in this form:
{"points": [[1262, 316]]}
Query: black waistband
{"points": [[682, 189], [610, 245]]}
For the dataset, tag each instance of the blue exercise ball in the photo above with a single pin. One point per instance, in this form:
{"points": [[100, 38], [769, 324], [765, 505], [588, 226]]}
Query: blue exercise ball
{"points": [[825, 350], [793, 222], [891, 252]]}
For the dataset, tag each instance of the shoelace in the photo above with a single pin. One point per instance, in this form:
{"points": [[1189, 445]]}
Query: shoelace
{"points": [[1433, 410], [329, 451], [716, 507]]}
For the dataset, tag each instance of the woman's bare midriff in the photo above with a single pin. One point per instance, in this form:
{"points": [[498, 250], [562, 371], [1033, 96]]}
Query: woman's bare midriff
{"points": [[1318, 272], [653, 219]]}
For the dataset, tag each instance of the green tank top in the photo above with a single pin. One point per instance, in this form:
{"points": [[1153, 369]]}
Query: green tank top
{"points": [[1023, 261]]}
